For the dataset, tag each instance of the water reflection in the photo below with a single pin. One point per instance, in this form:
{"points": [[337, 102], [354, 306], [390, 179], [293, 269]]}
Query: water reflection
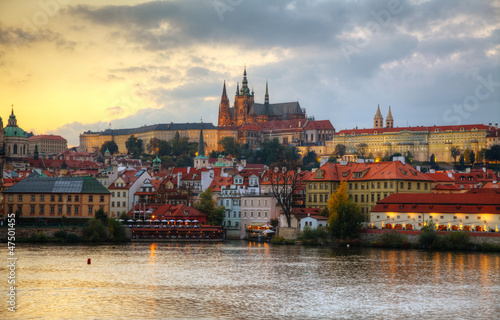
{"points": [[251, 280]]}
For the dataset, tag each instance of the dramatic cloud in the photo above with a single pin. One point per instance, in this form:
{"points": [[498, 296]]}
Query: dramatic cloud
{"points": [[165, 61]]}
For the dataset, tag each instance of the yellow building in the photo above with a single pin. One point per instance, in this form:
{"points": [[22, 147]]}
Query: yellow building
{"points": [[90, 140], [55, 197], [367, 182], [421, 141]]}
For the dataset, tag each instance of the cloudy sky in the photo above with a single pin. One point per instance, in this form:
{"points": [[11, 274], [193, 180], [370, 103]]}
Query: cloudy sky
{"points": [[69, 66]]}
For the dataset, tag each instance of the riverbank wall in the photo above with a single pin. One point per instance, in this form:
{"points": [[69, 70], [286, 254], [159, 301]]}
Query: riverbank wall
{"points": [[368, 235]]}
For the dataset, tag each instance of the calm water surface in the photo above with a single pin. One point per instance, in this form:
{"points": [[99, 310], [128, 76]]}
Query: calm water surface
{"points": [[241, 280]]}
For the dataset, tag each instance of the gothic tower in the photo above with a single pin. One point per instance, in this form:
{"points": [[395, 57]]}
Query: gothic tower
{"points": [[242, 102], [378, 120], [224, 115], [389, 121], [201, 160]]}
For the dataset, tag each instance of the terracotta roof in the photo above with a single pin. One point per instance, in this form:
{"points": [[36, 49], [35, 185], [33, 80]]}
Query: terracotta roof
{"points": [[414, 129], [440, 177], [46, 137], [394, 170], [250, 127], [319, 125], [470, 202]]}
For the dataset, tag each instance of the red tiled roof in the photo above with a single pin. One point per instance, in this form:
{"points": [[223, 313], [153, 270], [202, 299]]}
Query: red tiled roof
{"points": [[46, 137], [440, 177], [466, 127], [394, 170], [319, 125], [470, 202]]}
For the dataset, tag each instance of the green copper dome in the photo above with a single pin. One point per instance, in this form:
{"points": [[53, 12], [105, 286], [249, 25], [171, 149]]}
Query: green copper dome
{"points": [[14, 132]]}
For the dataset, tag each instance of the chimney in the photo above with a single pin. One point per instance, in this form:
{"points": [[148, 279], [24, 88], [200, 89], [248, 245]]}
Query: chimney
{"points": [[496, 126]]}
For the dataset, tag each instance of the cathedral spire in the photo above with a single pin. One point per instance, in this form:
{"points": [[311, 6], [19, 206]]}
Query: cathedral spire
{"points": [[237, 88], [266, 97], [224, 95], [244, 84], [378, 120], [389, 121], [201, 145]]}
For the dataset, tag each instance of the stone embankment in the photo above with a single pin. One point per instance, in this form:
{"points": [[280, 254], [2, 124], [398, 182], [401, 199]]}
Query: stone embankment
{"points": [[369, 235]]}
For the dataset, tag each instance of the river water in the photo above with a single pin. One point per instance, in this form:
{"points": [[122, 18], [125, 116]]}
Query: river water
{"points": [[242, 280]]}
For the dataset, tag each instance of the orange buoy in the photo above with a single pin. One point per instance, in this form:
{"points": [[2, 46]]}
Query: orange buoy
{"points": [[88, 261]]}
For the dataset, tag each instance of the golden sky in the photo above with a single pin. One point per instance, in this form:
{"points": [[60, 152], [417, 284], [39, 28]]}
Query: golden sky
{"points": [[72, 66]]}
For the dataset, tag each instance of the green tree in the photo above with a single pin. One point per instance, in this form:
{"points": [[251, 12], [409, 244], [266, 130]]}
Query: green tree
{"points": [[109, 145], [493, 153], [346, 218], [153, 146], [362, 150], [95, 231], [409, 157], [164, 148], [434, 165], [462, 162], [116, 230], [310, 160], [472, 157], [455, 152], [340, 150], [101, 215], [230, 146], [134, 146], [179, 145], [467, 155], [270, 152], [207, 205]]}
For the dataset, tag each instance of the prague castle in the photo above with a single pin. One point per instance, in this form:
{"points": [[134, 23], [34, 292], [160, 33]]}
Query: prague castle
{"points": [[421, 141], [246, 111]]}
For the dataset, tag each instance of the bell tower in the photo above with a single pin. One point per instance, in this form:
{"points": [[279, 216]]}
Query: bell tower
{"points": [[378, 120]]}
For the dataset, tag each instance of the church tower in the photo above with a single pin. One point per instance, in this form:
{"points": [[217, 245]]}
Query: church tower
{"points": [[242, 102], [224, 115], [378, 120], [201, 160], [389, 121]]}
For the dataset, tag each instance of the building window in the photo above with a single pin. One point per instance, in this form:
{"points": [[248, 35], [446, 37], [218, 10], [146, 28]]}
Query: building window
{"points": [[258, 214], [52, 209], [362, 198], [124, 205], [402, 185], [409, 185], [112, 204], [378, 196], [91, 209], [77, 209], [77, 198], [42, 209], [378, 185], [355, 186], [91, 198], [315, 198], [310, 198], [385, 184], [52, 198], [466, 217], [320, 198], [32, 209], [68, 209], [373, 197], [60, 198], [355, 198], [59, 209], [101, 199], [113, 194], [478, 218], [251, 214], [20, 197], [42, 197], [425, 186], [69, 198], [118, 204], [33, 198]]}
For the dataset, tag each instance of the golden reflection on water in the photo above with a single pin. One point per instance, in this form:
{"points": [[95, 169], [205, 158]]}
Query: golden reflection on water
{"points": [[152, 253], [237, 279]]}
